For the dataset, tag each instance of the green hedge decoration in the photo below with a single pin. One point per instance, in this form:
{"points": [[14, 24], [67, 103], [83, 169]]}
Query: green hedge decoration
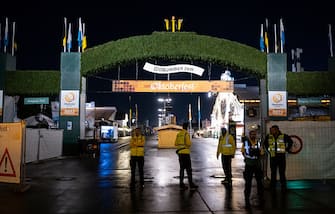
{"points": [[186, 46], [28, 82]]}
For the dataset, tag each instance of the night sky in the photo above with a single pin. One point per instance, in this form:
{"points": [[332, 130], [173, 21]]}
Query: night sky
{"points": [[39, 32]]}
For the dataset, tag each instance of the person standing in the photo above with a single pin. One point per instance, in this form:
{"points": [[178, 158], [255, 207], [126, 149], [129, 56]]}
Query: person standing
{"points": [[183, 144], [137, 156], [277, 144], [226, 147], [252, 151]]}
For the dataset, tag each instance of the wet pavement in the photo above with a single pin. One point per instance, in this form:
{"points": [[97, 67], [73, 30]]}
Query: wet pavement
{"points": [[101, 185]]}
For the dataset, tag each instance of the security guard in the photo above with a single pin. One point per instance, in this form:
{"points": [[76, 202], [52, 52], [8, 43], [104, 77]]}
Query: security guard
{"points": [[277, 144], [137, 156], [226, 147], [183, 144], [252, 151]]}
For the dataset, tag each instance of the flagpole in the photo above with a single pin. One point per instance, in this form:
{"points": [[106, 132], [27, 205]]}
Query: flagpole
{"points": [[330, 40], [275, 34], [190, 115], [13, 39], [80, 35], [69, 39], [261, 42], [282, 36], [65, 33], [199, 115], [266, 35], [84, 39], [6, 36]]}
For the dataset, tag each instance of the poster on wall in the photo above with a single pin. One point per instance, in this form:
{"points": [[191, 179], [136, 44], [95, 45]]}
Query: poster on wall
{"points": [[1, 102], [277, 103], [69, 103]]}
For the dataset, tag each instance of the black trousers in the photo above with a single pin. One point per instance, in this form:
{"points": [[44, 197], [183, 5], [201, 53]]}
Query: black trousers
{"points": [[250, 171], [139, 161], [278, 162], [226, 165], [185, 164]]}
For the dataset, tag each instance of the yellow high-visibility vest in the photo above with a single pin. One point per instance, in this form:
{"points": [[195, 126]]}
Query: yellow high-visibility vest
{"points": [[137, 145], [281, 147], [183, 142]]}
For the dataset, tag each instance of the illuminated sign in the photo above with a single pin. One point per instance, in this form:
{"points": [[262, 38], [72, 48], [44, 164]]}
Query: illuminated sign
{"points": [[277, 104], [69, 103], [169, 69], [172, 86]]}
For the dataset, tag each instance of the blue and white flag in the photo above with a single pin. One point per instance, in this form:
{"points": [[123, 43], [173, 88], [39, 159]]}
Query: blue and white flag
{"points": [[261, 40], [69, 39], [80, 35], [5, 40], [282, 36]]}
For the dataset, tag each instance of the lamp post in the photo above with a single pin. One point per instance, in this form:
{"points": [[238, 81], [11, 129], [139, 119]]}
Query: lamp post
{"points": [[166, 108]]}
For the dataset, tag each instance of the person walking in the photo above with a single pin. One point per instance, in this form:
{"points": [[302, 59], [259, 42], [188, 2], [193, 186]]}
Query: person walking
{"points": [[137, 156], [226, 147], [183, 144], [252, 151], [277, 144]]}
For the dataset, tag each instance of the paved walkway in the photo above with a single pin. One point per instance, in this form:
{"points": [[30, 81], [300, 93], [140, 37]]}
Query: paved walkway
{"points": [[101, 185]]}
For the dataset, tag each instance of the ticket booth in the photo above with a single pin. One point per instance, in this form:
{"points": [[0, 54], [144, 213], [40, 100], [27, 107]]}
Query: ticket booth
{"points": [[167, 135]]}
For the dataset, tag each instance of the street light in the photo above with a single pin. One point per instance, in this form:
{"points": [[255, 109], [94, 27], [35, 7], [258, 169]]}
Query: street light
{"points": [[166, 109]]}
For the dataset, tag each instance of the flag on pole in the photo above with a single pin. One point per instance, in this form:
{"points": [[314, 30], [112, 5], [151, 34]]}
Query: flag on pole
{"points": [[189, 112], [80, 35], [330, 40], [69, 39], [64, 38], [5, 41], [261, 40], [275, 34], [199, 113], [13, 39], [266, 38], [282, 36], [84, 39]]}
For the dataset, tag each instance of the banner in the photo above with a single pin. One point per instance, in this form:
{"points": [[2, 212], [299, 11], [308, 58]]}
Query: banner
{"points": [[169, 69], [179, 86], [11, 137], [277, 103], [69, 103]]}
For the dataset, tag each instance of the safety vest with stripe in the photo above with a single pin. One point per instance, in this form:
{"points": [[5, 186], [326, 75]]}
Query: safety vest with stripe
{"points": [[226, 145], [277, 145], [252, 151]]}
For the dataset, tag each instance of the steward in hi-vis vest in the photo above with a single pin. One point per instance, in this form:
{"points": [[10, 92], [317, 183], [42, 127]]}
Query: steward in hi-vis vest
{"points": [[277, 144], [252, 151], [226, 147], [183, 144], [137, 142]]}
